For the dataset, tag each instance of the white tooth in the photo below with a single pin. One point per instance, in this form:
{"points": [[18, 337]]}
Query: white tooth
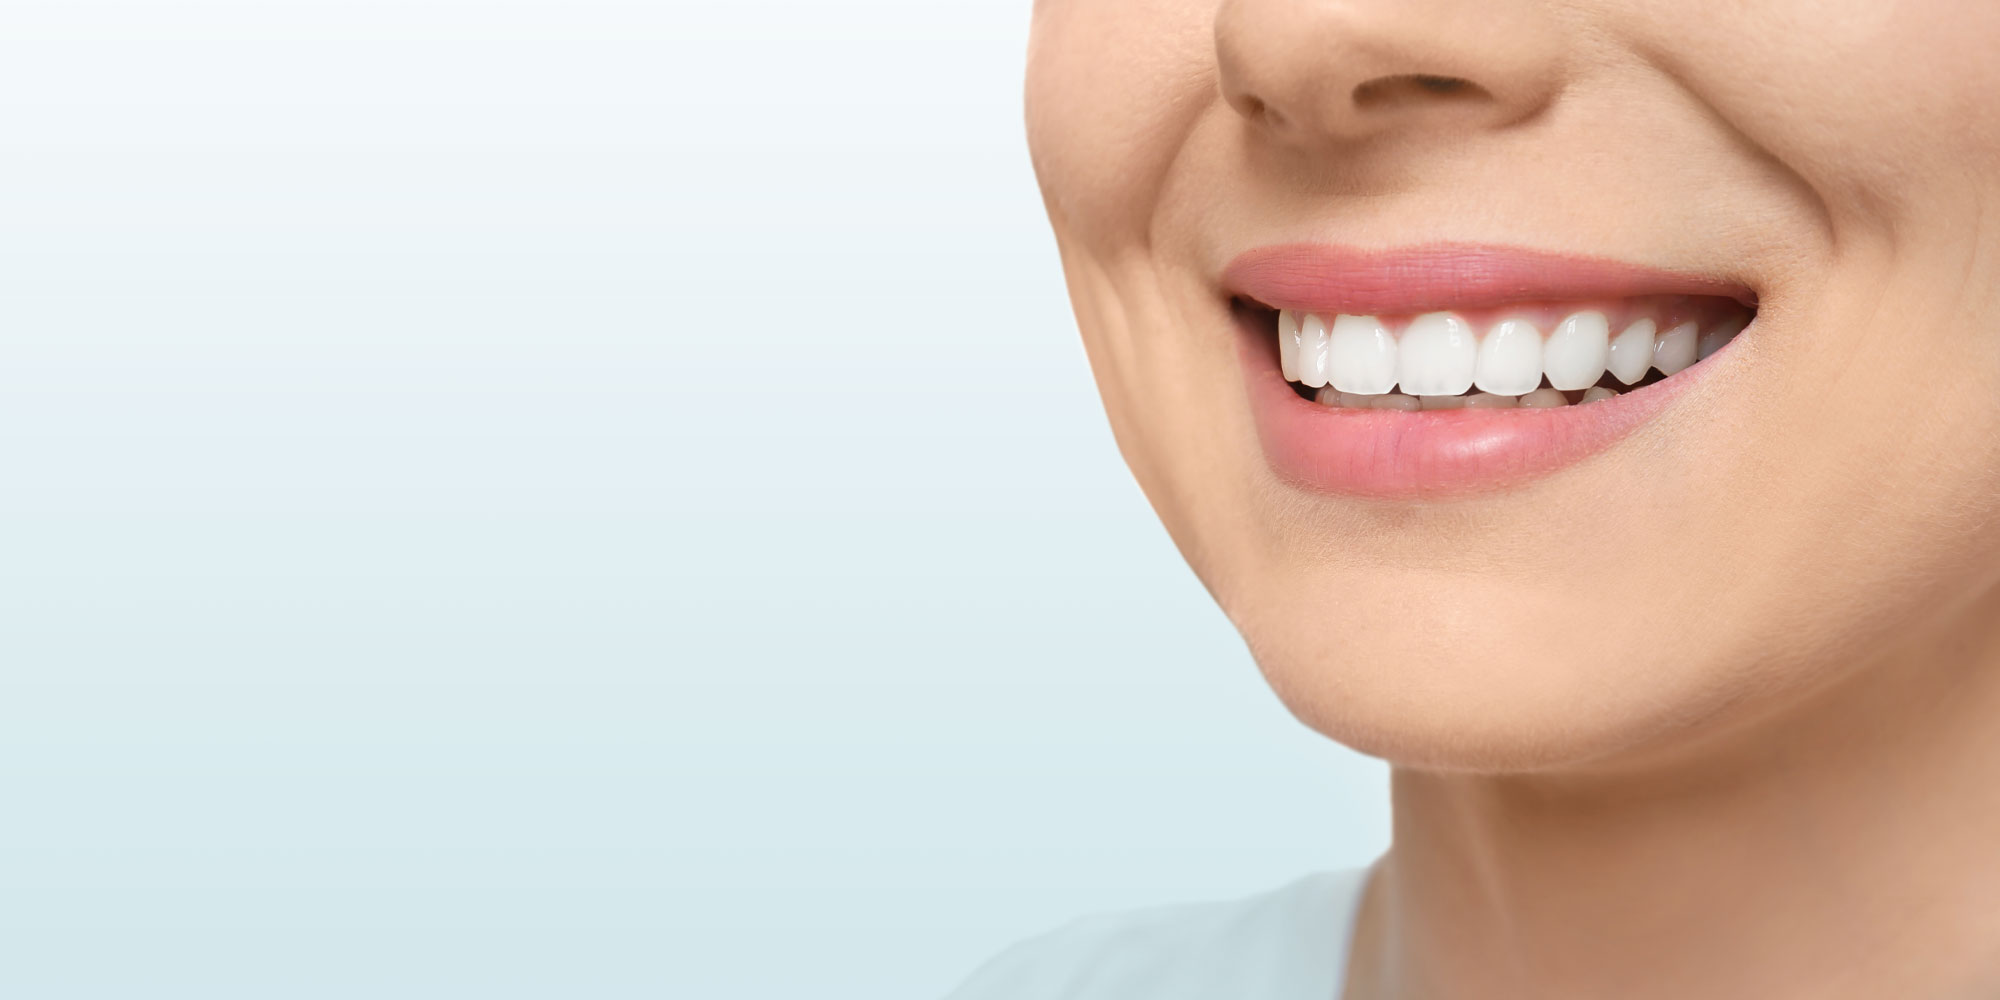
{"points": [[1510, 358], [1675, 348], [1312, 351], [1361, 355], [1544, 397], [1436, 356], [1441, 402], [1288, 344], [1490, 401], [1327, 396], [1632, 351], [1713, 340], [1597, 392], [1394, 401], [1354, 399], [1577, 349]]}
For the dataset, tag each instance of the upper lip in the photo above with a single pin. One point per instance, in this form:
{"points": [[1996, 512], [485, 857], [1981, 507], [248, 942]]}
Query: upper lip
{"points": [[1327, 278]]}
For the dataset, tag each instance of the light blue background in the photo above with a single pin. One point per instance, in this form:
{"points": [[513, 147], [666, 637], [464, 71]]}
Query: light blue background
{"points": [[577, 499]]}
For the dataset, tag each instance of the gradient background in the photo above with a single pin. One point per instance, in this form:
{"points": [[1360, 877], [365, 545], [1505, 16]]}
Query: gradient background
{"points": [[577, 499]]}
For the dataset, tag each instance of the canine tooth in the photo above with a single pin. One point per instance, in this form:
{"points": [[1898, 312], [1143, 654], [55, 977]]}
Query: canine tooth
{"points": [[1436, 356], [1361, 355], [1544, 397], [1577, 349], [1510, 358], [1674, 350], [1724, 332], [1597, 392], [1441, 402], [1288, 344], [1631, 352], [1490, 401], [1327, 396], [1312, 351], [1394, 401]]}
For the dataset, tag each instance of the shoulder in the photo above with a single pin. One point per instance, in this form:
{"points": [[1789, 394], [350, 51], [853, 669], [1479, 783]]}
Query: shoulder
{"points": [[1289, 941]]}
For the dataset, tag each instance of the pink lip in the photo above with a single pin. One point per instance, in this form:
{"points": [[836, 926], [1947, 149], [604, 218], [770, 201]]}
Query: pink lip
{"points": [[1392, 454], [1317, 277]]}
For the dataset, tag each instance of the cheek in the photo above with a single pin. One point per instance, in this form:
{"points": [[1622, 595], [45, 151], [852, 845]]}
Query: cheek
{"points": [[1877, 462], [1879, 107], [1163, 357], [1113, 88]]}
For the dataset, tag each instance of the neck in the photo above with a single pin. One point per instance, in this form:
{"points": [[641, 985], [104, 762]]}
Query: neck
{"points": [[1843, 848]]}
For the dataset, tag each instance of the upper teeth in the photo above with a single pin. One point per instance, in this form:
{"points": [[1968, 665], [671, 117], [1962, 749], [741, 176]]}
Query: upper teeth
{"points": [[1441, 354]]}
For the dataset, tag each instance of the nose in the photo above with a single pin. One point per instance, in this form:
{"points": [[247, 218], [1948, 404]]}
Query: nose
{"points": [[1317, 71]]}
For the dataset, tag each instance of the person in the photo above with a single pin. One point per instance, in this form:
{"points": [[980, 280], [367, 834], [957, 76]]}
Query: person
{"points": [[1592, 408]]}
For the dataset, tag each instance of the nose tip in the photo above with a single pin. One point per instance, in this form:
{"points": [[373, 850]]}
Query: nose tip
{"points": [[1310, 71]]}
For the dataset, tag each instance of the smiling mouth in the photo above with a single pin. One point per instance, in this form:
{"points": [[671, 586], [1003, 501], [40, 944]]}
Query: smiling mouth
{"points": [[1520, 355], [1511, 362]]}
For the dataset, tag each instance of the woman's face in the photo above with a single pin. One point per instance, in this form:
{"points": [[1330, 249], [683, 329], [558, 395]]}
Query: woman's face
{"points": [[1524, 586]]}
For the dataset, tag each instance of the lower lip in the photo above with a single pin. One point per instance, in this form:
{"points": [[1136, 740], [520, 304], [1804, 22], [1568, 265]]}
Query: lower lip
{"points": [[1420, 454]]}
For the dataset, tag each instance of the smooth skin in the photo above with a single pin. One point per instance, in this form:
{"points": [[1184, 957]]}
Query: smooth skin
{"points": [[1715, 713]]}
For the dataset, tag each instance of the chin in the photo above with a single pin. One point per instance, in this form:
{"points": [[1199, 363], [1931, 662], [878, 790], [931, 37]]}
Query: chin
{"points": [[1478, 677]]}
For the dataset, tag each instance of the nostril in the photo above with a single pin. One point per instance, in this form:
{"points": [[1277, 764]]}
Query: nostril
{"points": [[1386, 91], [1255, 109], [1440, 84]]}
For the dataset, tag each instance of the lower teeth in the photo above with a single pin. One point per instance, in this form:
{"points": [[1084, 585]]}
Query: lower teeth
{"points": [[1542, 397]]}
